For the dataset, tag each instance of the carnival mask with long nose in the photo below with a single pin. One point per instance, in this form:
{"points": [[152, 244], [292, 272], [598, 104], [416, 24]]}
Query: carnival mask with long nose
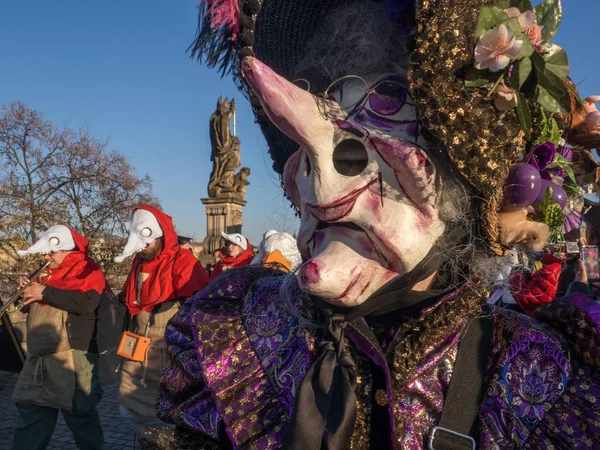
{"points": [[54, 239], [143, 228], [365, 187]]}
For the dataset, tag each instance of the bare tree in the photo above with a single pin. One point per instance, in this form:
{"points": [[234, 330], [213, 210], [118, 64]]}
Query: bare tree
{"points": [[51, 174]]}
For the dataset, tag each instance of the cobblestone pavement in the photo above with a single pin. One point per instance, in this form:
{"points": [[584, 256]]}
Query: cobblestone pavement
{"points": [[117, 433]]}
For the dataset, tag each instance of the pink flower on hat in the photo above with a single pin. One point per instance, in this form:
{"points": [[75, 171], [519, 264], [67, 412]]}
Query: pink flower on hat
{"points": [[496, 48], [528, 22], [506, 97]]}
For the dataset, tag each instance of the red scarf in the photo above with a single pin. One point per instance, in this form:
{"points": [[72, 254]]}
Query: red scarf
{"points": [[78, 272], [173, 273], [229, 262]]}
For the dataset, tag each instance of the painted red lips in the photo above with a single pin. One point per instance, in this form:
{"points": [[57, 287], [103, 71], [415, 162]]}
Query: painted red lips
{"points": [[339, 208]]}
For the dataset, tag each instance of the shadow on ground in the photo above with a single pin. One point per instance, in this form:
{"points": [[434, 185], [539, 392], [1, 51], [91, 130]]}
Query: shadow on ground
{"points": [[117, 433]]}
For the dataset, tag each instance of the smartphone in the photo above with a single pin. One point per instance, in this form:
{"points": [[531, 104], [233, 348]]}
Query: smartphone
{"points": [[589, 255], [572, 248]]}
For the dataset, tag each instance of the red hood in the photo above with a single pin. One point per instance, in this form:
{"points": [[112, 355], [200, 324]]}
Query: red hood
{"points": [[82, 244], [166, 224], [228, 262], [78, 272], [171, 274]]}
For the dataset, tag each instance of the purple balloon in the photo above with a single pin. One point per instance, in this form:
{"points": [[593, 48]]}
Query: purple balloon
{"points": [[522, 188], [559, 194]]}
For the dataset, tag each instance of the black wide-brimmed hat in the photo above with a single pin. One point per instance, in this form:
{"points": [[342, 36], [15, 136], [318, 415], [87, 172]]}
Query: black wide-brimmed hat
{"points": [[276, 32], [454, 101]]}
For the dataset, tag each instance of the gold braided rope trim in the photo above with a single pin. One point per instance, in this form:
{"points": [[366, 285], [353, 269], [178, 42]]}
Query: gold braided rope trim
{"points": [[490, 219]]}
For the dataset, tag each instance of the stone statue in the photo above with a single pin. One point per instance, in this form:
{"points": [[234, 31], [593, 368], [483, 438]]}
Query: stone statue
{"points": [[225, 154], [240, 181]]}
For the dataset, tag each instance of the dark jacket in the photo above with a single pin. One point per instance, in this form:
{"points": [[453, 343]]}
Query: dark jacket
{"points": [[83, 315]]}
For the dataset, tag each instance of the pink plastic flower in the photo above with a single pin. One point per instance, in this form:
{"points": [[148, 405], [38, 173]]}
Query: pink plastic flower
{"points": [[496, 48], [512, 12], [506, 97], [528, 22], [535, 37]]}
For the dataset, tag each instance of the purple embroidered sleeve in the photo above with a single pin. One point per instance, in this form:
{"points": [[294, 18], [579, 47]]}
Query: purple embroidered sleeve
{"points": [[543, 391], [530, 373], [236, 359], [578, 318], [284, 349], [250, 353], [183, 397], [574, 420]]}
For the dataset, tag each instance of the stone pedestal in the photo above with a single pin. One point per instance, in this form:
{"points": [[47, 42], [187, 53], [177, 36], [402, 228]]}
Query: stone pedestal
{"points": [[223, 214]]}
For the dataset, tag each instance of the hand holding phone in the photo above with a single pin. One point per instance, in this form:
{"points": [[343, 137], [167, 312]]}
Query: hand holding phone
{"points": [[589, 255]]}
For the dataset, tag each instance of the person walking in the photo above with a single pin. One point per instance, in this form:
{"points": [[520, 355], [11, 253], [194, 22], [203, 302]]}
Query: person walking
{"points": [[61, 369], [163, 275]]}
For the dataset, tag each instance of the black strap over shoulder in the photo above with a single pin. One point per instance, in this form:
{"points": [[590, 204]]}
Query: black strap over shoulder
{"points": [[457, 425]]}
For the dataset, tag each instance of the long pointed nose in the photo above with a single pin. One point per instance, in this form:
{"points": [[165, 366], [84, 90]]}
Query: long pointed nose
{"points": [[297, 113], [40, 246], [134, 244]]}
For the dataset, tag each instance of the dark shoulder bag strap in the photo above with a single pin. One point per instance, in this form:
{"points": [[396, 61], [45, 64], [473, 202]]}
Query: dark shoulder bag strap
{"points": [[457, 426]]}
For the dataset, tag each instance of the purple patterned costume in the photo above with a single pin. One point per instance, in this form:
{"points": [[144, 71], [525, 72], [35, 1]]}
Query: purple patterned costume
{"points": [[237, 357]]}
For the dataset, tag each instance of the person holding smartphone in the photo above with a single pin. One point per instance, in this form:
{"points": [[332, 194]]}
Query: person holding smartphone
{"points": [[582, 284]]}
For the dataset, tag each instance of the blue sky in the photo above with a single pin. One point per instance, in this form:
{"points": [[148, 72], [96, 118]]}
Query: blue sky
{"points": [[120, 67]]}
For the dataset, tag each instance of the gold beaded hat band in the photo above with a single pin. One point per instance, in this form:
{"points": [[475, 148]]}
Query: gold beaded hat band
{"points": [[486, 80]]}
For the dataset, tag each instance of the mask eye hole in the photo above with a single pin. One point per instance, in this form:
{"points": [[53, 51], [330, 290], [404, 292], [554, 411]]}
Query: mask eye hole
{"points": [[146, 232], [307, 165], [54, 241], [350, 157]]}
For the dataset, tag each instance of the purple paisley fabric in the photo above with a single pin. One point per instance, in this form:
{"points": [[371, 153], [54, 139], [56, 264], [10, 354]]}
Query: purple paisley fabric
{"points": [[237, 357], [530, 373], [183, 397]]}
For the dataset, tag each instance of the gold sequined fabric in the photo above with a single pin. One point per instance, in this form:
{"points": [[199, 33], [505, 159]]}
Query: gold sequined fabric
{"points": [[363, 391], [423, 362], [421, 365], [480, 140]]}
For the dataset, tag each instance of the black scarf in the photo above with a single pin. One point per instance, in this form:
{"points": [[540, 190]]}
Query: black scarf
{"points": [[325, 408]]}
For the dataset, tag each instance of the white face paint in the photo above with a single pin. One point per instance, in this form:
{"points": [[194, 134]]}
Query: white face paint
{"points": [[55, 238], [365, 188], [143, 229]]}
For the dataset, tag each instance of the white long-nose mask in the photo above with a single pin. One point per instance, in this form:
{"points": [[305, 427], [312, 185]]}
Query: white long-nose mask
{"points": [[52, 240], [143, 229]]}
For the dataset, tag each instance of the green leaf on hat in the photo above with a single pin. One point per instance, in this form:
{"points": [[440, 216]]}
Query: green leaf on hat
{"points": [[572, 191], [555, 133], [522, 5], [562, 163], [524, 115], [561, 95], [550, 85], [549, 15], [555, 89], [526, 48], [489, 17], [557, 61], [476, 78], [548, 102], [521, 71], [547, 128]]}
